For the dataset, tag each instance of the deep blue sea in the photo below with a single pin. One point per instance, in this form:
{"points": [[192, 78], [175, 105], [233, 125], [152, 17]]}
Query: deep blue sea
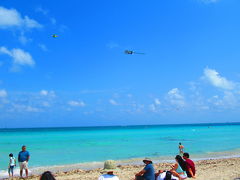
{"points": [[61, 146]]}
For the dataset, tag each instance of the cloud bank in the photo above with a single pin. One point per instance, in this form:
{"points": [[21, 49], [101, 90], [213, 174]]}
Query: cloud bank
{"points": [[11, 18], [19, 56], [214, 78], [3, 93], [76, 103]]}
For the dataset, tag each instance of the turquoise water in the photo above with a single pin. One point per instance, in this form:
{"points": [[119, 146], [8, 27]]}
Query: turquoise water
{"points": [[60, 146]]}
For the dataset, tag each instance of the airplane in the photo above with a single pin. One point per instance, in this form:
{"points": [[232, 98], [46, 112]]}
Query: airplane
{"points": [[54, 35]]}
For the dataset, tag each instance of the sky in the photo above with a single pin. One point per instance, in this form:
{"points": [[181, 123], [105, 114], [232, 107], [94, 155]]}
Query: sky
{"points": [[188, 74]]}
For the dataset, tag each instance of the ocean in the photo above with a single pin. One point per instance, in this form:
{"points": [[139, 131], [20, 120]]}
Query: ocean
{"points": [[89, 145]]}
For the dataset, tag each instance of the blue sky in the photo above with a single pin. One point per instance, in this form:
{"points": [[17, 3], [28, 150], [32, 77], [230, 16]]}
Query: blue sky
{"points": [[188, 74]]}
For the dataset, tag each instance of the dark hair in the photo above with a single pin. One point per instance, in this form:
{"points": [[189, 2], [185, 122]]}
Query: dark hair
{"points": [[47, 175], [186, 155], [23, 146], [168, 176], [180, 143], [181, 162], [10, 155]]}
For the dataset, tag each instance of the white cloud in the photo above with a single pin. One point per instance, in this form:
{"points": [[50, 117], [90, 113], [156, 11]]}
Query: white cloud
{"points": [[77, 103], [41, 10], [152, 107], [32, 109], [46, 13], [216, 101], [30, 23], [19, 56], [23, 108], [3, 93], [10, 18], [23, 39], [213, 77], [175, 97], [44, 92], [113, 102], [228, 100], [47, 93], [157, 101]]}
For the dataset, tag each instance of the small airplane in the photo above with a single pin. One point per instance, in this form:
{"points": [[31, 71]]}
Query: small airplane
{"points": [[132, 52], [54, 36]]}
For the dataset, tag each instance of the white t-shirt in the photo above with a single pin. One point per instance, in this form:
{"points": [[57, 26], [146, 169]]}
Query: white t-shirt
{"points": [[12, 161], [162, 176], [108, 177]]}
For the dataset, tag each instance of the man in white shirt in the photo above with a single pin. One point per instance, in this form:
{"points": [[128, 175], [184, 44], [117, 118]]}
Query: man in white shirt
{"points": [[109, 168]]}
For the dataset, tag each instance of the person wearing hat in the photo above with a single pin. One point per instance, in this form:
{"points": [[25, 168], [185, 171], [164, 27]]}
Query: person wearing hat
{"points": [[148, 171], [109, 168]]}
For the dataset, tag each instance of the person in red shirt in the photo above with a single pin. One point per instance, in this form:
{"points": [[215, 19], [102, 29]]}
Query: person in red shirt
{"points": [[190, 166]]}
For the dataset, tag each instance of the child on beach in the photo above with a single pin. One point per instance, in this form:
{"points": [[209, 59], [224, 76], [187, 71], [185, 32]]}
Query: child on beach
{"points": [[12, 164]]}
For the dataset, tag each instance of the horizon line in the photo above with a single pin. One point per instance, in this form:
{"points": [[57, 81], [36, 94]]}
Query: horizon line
{"points": [[117, 126]]}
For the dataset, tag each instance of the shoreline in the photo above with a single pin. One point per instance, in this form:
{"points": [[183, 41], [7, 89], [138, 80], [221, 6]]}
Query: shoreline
{"points": [[136, 161], [88, 166], [211, 169]]}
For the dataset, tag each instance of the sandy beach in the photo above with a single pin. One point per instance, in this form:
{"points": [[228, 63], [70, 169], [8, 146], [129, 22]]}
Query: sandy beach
{"points": [[213, 169]]}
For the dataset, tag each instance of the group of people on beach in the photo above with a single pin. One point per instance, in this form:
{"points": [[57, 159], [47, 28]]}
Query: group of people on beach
{"points": [[183, 168], [23, 158]]}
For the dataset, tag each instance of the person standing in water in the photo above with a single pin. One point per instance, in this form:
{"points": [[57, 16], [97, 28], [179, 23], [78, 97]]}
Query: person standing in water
{"points": [[181, 148], [12, 164]]}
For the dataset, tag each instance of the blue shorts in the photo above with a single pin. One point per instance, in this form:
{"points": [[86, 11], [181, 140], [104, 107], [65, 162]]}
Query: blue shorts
{"points": [[10, 169]]}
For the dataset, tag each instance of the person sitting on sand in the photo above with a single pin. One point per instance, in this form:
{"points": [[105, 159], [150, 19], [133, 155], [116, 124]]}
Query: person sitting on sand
{"points": [[189, 165], [148, 172], [179, 168], [181, 148], [12, 164], [109, 168], [47, 175], [165, 175]]}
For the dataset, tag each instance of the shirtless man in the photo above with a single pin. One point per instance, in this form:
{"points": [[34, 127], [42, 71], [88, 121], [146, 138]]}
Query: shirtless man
{"points": [[180, 147]]}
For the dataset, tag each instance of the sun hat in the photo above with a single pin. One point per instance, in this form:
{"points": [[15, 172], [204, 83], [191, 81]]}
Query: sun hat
{"points": [[147, 159], [109, 166]]}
